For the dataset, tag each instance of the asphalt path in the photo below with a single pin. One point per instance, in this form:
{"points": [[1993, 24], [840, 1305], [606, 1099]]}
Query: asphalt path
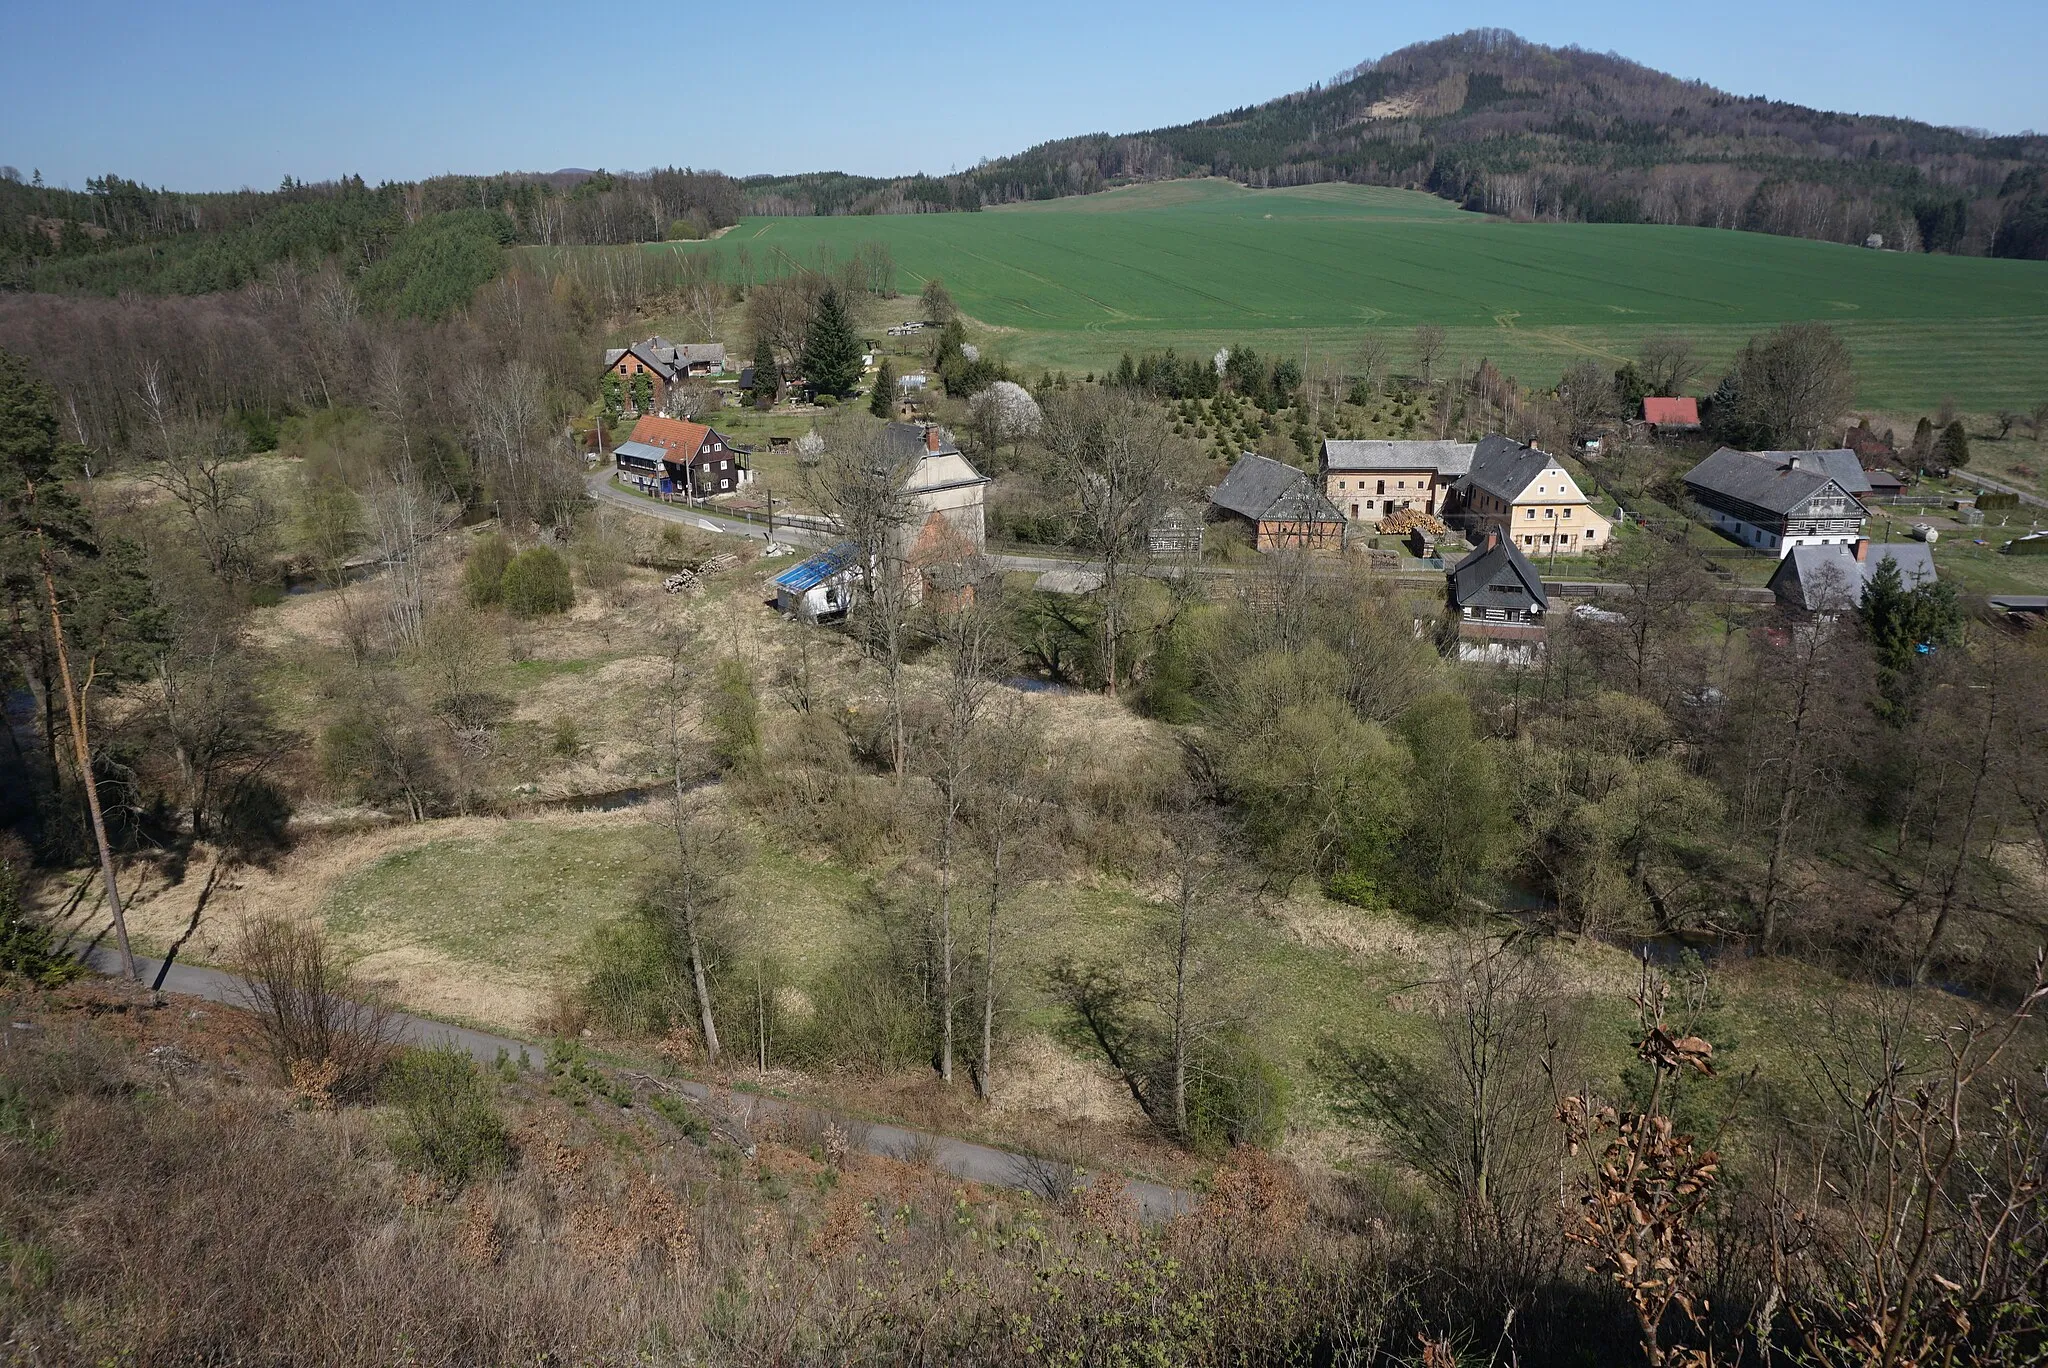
{"points": [[738, 1112]]}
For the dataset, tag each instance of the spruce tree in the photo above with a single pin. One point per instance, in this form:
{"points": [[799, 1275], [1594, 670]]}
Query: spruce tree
{"points": [[767, 383], [880, 403], [1955, 446], [832, 353], [1923, 439]]}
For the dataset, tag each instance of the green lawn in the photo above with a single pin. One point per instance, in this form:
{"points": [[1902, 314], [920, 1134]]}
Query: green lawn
{"points": [[1198, 265]]}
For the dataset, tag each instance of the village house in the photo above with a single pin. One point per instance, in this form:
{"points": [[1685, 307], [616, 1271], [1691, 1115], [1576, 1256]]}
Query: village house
{"points": [[947, 529], [672, 458], [1497, 603], [1281, 505], [1526, 495], [1371, 480], [1776, 500], [1829, 580], [1671, 417], [664, 363]]}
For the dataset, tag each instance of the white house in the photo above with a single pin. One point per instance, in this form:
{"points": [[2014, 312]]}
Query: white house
{"points": [[1776, 500], [822, 587]]}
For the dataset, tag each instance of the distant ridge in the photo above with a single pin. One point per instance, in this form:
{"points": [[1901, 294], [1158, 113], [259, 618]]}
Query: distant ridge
{"points": [[1511, 127]]}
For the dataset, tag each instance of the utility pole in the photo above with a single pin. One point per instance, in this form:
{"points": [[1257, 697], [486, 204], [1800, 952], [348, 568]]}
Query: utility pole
{"points": [[74, 707]]}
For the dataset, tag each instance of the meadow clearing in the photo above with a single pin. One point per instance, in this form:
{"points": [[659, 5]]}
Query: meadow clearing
{"points": [[1074, 283]]}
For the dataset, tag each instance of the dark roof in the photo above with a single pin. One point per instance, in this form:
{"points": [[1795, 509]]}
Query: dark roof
{"points": [[904, 441], [1264, 490], [1444, 458], [1497, 575], [1830, 578], [1763, 480], [746, 377], [1841, 464], [1883, 479], [1504, 467], [807, 575]]}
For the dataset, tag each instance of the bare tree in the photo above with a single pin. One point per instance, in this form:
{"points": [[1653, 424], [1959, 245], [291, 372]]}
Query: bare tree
{"points": [[860, 485], [232, 519], [1793, 386], [695, 884], [1374, 357], [976, 645], [1585, 398], [1116, 457], [404, 519], [1669, 361], [1430, 341], [1008, 810]]}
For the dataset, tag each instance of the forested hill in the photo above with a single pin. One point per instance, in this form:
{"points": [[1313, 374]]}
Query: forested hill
{"points": [[415, 248], [1511, 127]]}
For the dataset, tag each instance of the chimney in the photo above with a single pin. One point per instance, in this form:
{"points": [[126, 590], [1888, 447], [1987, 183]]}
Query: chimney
{"points": [[1492, 539], [931, 439], [1793, 462], [1862, 551]]}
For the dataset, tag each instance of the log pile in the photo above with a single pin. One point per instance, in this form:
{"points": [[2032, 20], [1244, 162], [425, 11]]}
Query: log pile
{"points": [[1403, 521]]}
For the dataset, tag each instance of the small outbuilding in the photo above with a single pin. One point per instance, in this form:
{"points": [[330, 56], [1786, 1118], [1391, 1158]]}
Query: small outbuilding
{"points": [[1668, 416], [822, 587]]}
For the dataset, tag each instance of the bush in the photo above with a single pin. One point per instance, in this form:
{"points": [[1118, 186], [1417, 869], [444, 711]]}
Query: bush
{"points": [[254, 820], [536, 583], [827, 401], [483, 573], [1235, 1096], [26, 947], [309, 1011], [452, 1126]]}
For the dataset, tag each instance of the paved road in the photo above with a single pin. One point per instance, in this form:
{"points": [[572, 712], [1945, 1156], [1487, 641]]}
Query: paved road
{"points": [[1972, 477], [963, 1159]]}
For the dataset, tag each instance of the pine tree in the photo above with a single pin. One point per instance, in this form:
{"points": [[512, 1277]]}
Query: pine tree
{"points": [[831, 360], [767, 383], [1923, 439], [1955, 446], [879, 403]]}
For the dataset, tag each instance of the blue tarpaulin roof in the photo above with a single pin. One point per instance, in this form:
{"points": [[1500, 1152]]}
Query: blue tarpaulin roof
{"points": [[810, 574]]}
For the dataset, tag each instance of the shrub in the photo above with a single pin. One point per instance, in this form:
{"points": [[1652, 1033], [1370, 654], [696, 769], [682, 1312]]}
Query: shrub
{"points": [[536, 583], [310, 1012], [484, 572], [827, 401], [254, 821], [26, 947], [1235, 1095], [452, 1126]]}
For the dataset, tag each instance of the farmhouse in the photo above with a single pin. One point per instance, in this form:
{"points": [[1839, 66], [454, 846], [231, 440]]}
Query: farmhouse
{"points": [[1497, 603], [1828, 580], [664, 363], [946, 531], [1776, 500], [667, 456], [1280, 504], [1370, 480], [1527, 496]]}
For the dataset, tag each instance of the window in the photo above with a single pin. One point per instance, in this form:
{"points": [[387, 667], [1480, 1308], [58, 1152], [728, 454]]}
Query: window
{"points": [[1382, 489], [1531, 512], [1368, 505], [1550, 513], [1354, 510], [1400, 484], [1340, 484], [1567, 512], [1589, 534], [1539, 489]]}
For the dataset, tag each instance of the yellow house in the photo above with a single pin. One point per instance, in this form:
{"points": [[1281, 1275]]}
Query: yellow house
{"points": [[1527, 496]]}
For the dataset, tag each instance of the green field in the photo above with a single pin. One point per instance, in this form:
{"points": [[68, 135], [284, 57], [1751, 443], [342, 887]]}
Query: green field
{"points": [[1203, 264]]}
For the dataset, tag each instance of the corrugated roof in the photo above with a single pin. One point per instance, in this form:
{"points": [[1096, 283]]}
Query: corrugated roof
{"points": [[1445, 458], [639, 450], [1763, 481], [1497, 576], [807, 575], [1260, 488], [1666, 412]]}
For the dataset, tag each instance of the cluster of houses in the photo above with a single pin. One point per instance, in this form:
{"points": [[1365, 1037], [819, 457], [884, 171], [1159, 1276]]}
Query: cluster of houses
{"points": [[665, 364], [1495, 485], [1517, 503]]}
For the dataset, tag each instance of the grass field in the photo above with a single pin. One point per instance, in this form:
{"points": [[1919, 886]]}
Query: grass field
{"points": [[1201, 264]]}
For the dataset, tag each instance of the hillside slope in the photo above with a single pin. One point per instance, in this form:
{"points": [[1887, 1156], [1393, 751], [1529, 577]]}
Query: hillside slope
{"points": [[1515, 128]]}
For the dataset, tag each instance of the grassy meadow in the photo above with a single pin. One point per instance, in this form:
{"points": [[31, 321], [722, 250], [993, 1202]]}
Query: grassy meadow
{"points": [[1196, 265]]}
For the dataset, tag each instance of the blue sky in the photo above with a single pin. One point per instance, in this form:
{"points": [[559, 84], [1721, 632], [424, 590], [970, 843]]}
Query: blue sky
{"points": [[226, 93]]}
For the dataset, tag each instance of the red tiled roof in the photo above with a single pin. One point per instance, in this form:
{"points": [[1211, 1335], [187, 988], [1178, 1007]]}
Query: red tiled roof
{"points": [[1672, 412], [672, 434]]}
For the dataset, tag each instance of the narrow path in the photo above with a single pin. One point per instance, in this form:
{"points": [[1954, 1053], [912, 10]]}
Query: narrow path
{"points": [[964, 1159]]}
